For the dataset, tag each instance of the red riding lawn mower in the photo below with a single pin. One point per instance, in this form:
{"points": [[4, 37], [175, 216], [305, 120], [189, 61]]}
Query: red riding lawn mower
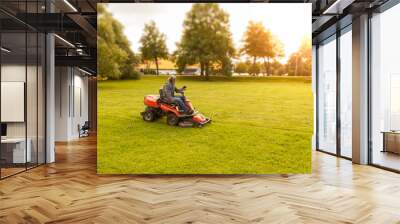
{"points": [[157, 107]]}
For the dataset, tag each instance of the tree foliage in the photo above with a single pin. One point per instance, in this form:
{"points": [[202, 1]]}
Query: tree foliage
{"points": [[241, 67], [153, 46], [259, 42], [115, 59], [276, 68], [299, 63], [206, 40]]}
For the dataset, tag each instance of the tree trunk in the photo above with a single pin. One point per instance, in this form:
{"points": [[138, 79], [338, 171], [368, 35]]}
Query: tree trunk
{"points": [[254, 65], [269, 66], [201, 69], [265, 66], [156, 60], [207, 68]]}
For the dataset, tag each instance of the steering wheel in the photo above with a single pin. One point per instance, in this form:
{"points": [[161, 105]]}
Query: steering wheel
{"points": [[183, 90]]}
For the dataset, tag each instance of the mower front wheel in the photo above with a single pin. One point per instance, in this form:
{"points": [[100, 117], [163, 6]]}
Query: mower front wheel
{"points": [[172, 119], [149, 115]]}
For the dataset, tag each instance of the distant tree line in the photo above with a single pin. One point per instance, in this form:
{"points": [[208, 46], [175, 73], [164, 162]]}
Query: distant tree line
{"points": [[206, 41], [298, 64]]}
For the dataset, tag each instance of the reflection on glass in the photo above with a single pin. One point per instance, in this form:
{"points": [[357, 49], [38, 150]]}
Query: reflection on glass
{"points": [[327, 96], [41, 99], [15, 151], [31, 100], [395, 102], [346, 94], [22, 90], [386, 89]]}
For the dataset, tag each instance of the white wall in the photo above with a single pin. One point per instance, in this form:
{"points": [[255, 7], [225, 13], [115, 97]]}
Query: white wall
{"points": [[33, 127], [81, 82], [71, 94], [12, 73], [62, 82]]}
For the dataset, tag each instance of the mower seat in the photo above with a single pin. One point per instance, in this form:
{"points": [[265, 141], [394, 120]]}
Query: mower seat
{"points": [[167, 102], [163, 98]]}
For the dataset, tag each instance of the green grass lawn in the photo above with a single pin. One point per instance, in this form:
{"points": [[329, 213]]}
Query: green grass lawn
{"points": [[260, 125]]}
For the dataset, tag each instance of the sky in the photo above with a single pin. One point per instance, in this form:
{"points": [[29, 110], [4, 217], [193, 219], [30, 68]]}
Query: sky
{"points": [[289, 22]]}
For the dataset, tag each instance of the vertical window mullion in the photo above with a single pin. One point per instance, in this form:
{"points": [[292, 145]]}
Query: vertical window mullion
{"points": [[0, 92], [338, 80], [44, 79], [37, 90], [26, 86], [317, 97], [369, 90]]}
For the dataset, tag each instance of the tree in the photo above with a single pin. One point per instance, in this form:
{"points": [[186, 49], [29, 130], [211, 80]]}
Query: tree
{"points": [[275, 51], [115, 59], [241, 67], [206, 40], [277, 68], [255, 42], [259, 42], [299, 63], [255, 69], [153, 46]]}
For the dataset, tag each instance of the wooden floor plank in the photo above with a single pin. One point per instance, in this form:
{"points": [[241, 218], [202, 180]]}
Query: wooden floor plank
{"points": [[70, 191]]}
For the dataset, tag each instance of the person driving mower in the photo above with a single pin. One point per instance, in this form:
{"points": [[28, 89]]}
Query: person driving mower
{"points": [[169, 89], [178, 109]]}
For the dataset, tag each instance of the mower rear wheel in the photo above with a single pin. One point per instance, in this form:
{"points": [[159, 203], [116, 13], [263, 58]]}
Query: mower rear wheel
{"points": [[172, 119], [149, 115]]}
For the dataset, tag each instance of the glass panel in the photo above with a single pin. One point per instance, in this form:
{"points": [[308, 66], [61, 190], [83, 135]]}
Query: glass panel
{"points": [[41, 99], [31, 97], [346, 93], [22, 88], [394, 102], [32, 88], [2, 159], [13, 86], [327, 96], [386, 89]]}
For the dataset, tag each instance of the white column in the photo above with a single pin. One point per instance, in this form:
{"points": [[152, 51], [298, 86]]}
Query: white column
{"points": [[50, 99], [360, 90]]}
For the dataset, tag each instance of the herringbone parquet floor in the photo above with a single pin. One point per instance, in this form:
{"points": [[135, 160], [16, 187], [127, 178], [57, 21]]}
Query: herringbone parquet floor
{"points": [[69, 191]]}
